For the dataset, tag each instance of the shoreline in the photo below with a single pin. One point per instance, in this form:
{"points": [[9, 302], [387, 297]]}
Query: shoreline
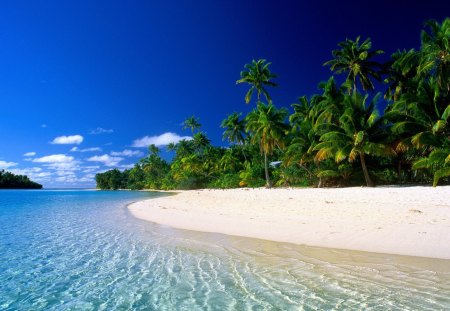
{"points": [[412, 221]]}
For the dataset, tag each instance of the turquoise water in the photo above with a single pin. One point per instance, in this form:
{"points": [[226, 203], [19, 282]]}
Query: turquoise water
{"points": [[82, 250]]}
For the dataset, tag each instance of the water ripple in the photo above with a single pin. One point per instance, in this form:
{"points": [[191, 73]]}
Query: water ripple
{"points": [[78, 250]]}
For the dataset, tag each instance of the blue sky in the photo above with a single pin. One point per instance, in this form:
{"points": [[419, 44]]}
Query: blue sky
{"points": [[84, 85]]}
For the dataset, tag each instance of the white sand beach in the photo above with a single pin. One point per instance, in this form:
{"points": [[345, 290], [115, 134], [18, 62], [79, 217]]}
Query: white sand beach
{"points": [[411, 221]]}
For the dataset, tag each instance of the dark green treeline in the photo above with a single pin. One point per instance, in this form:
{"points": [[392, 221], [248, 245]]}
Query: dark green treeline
{"points": [[11, 181]]}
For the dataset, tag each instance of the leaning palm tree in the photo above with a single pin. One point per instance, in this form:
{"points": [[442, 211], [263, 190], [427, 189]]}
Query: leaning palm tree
{"points": [[267, 124], [355, 59], [360, 132], [192, 123], [258, 75]]}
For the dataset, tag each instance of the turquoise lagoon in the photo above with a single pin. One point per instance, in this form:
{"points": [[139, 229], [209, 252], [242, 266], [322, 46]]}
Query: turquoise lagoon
{"points": [[82, 250]]}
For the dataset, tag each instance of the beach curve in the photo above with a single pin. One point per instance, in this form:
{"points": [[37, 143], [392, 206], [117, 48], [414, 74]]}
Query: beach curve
{"points": [[413, 221]]}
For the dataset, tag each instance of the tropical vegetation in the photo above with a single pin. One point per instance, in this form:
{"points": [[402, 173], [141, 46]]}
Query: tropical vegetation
{"points": [[9, 180], [385, 122]]}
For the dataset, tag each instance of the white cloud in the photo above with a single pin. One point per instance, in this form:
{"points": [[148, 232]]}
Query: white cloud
{"points": [[68, 166], [4, 164], [90, 169], [54, 158], [161, 140], [30, 154], [100, 130], [26, 171], [34, 173], [106, 160], [87, 177], [76, 149], [67, 179], [68, 140], [59, 162], [128, 153]]}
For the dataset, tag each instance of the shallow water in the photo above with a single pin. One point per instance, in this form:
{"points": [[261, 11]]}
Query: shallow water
{"points": [[82, 250]]}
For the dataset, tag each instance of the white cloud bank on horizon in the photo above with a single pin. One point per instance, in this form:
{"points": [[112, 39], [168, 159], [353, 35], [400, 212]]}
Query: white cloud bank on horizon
{"points": [[127, 153], [4, 164], [29, 154], [68, 140], [161, 140], [76, 149], [106, 160], [100, 130]]}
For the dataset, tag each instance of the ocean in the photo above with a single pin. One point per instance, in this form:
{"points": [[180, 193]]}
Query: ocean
{"points": [[83, 250]]}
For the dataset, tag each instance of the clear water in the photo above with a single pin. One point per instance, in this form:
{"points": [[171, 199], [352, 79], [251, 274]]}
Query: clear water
{"points": [[82, 250]]}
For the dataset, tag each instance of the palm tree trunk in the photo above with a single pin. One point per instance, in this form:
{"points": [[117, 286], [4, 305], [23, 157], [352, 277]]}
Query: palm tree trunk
{"points": [[369, 182], [243, 152], [266, 169], [320, 184]]}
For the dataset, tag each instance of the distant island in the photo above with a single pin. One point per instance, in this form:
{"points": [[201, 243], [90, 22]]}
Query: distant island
{"points": [[11, 181], [371, 123]]}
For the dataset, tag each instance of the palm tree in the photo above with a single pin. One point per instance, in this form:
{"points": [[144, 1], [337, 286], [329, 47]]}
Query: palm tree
{"points": [[438, 161], [360, 132], [436, 52], [355, 59], [401, 73], [234, 128], [258, 75], [304, 138], [267, 123], [192, 123], [420, 117], [200, 141]]}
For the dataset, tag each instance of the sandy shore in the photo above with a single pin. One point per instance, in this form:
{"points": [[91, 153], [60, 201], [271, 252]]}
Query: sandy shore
{"points": [[397, 220]]}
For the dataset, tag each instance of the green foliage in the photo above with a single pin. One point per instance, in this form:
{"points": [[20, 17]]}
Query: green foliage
{"points": [[355, 59], [226, 181], [258, 75], [192, 123], [9, 180], [335, 138], [267, 127], [252, 175]]}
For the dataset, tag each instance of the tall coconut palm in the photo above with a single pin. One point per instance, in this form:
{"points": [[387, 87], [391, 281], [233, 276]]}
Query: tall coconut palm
{"points": [[356, 59], [267, 124], [258, 75], [192, 123], [359, 133]]}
